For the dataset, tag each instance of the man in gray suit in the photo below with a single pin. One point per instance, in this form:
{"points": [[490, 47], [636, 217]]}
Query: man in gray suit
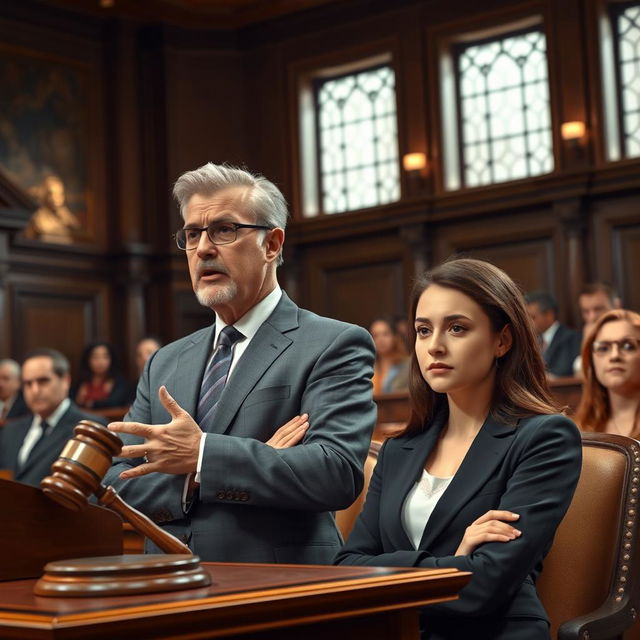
{"points": [[31, 444], [204, 456]]}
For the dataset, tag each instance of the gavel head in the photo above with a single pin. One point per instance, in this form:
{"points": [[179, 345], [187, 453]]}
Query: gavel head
{"points": [[79, 470]]}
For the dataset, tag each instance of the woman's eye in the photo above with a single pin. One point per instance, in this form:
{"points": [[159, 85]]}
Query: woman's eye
{"points": [[423, 331], [457, 328]]}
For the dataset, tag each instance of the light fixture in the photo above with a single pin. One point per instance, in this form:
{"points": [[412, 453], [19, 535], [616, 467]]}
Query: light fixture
{"points": [[415, 163], [573, 130]]}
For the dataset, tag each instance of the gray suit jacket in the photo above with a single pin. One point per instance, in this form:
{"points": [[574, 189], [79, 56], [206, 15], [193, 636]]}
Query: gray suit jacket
{"points": [[38, 464], [257, 503]]}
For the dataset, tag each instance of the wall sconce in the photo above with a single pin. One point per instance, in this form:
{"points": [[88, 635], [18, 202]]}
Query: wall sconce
{"points": [[415, 164], [574, 130]]}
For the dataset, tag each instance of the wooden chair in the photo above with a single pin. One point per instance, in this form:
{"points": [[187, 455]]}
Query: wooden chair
{"points": [[590, 582], [346, 518]]}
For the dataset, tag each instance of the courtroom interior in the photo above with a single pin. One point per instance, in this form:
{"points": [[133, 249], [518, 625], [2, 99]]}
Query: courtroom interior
{"points": [[404, 135]]}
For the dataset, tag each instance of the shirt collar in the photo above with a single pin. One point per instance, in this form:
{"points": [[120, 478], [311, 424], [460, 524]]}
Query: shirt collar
{"points": [[251, 321], [54, 418], [547, 336]]}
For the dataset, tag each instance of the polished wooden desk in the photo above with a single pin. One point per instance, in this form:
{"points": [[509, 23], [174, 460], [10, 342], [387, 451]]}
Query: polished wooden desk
{"points": [[268, 602]]}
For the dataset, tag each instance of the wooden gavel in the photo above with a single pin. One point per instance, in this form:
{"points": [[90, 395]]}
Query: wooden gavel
{"points": [[78, 473]]}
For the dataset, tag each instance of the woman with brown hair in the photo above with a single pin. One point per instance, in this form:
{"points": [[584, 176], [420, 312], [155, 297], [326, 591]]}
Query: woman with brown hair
{"points": [[610, 400], [391, 368], [486, 468]]}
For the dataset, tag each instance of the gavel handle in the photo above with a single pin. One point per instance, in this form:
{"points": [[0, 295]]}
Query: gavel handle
{"points": [[108, 497]]}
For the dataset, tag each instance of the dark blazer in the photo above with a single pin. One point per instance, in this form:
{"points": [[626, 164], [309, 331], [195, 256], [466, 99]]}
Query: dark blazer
{"points": [[39, 464], [531, 469], [18, 407], [257, 503], [563, 350]]}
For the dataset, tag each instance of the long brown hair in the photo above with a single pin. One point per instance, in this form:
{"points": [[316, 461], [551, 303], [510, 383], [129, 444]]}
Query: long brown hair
{"points": [[521, 386], [594, 409]]}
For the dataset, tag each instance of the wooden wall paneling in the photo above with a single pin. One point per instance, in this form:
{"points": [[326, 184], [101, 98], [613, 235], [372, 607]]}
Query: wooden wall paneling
{"points": [[563, 23], [123, 100], [358, 280], [205, 109], [616, 233], [62, 313], [527, 245]]}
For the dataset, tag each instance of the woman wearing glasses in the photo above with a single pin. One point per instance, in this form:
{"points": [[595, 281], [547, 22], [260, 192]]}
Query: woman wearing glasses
{"points": [[611, 367]]}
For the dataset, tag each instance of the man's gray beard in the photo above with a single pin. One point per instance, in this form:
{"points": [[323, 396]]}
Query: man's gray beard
{"points": [[211, 299]]}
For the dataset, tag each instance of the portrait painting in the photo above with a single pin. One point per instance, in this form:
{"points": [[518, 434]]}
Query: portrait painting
{"points": [[44, 111]]}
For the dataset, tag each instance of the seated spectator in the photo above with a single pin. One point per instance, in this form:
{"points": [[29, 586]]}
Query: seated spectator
{"points": [[391, 369], [11, 401], [145, 348], [486, 468], [100, 384], [594, 300], [610, 400], [30, 445], [560, 345]]}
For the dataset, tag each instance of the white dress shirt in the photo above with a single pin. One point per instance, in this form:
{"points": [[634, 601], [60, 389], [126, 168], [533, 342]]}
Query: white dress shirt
{"points": [[35, 430], [248, 326], [420, 503]]}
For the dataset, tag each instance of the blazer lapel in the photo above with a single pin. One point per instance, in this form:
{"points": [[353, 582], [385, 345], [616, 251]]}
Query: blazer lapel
{"points": [[485, 454], [55, 441], [190, 369], [265, 347], [413, 455]]}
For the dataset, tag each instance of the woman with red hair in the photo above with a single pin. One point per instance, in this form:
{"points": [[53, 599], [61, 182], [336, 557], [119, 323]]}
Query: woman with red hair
{"points": [[611, 367]]}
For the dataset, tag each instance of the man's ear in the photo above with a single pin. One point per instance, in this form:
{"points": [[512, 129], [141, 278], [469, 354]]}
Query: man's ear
{"points": [[505, 340], [273, 241]]}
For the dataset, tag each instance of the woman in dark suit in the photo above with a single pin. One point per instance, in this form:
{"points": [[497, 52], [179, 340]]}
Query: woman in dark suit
{"points": [[486, 468]]}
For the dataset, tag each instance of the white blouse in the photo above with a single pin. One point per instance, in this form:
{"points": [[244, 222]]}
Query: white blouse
{"points": [[420, 503]]}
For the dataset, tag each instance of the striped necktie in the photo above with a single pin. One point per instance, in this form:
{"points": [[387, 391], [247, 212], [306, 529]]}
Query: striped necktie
{"points": [[215, 376]]}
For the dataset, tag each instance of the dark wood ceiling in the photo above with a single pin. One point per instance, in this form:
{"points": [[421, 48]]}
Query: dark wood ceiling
{"points": [[193, 13]]}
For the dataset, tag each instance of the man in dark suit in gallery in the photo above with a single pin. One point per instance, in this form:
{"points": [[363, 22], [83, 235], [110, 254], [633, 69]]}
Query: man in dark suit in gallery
{"points": [[203, 454], [560, 345], [31, 444], [12, 403]]}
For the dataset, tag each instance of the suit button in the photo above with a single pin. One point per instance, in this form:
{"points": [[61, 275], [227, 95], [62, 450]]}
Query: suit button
{"points": [[229, 495], [220, 495], [244, 496]]}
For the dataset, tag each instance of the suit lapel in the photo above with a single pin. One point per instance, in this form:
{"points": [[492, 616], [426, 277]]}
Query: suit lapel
{"points": [[412, 457], [485, 454], [54, 442], [190, 369], [265, 347]]}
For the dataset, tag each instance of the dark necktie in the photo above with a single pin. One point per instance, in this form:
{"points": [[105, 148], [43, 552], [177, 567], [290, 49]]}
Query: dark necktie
{"points": [[215, 377], [40, 442]]}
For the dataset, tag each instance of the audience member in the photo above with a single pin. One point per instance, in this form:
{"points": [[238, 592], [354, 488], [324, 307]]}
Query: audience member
{"points": [[201, 454], [611, 367], [391, 370], [145, 348], [594, 300], [100, 383], [560, 345], [486, 469], [29, 445], [11, 401]]}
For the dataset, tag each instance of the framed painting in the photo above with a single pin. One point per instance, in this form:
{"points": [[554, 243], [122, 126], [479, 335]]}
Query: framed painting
{"points": [[45, 130]]}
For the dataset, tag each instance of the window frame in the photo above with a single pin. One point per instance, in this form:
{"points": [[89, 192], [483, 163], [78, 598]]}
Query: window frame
{"points": [[307, 200]]}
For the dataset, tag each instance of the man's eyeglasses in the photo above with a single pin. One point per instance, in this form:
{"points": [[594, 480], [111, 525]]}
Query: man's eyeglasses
{"points": [[188, 238], [626, 345]]}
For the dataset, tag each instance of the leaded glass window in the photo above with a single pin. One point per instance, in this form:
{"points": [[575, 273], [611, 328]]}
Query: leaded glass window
{"points": [[357, 139], [627, 30], [503, 109]]}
